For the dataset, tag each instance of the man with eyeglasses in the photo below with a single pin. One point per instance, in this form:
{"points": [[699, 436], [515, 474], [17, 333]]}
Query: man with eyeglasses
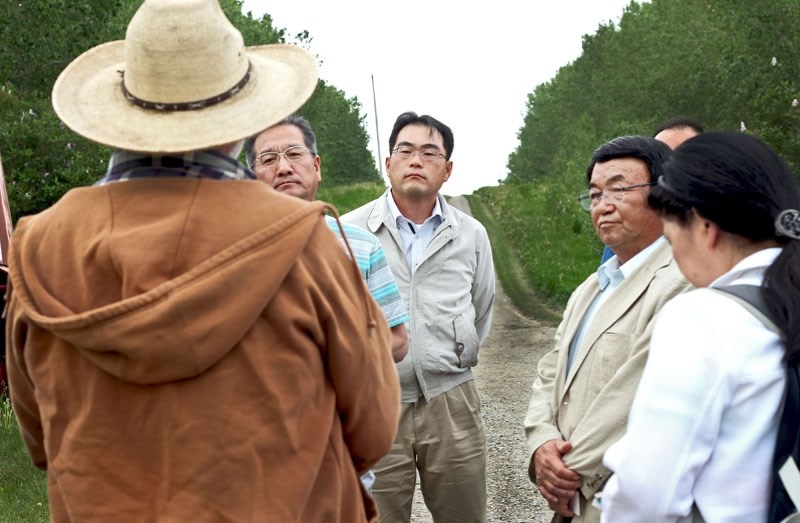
{"points": [[584, 387], [442, 261], [672, 132], [285, 157]]}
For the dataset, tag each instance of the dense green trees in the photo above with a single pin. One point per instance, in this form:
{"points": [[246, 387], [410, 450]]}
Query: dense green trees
{"points": [[727, 63], [42, 158], [711, 60]]}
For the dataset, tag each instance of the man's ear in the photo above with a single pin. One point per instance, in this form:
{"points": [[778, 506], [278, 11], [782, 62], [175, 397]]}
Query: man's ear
{"points": [[448, 170]]}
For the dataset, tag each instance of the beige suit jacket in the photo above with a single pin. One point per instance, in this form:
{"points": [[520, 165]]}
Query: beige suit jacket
{"points": [[589, 405]]}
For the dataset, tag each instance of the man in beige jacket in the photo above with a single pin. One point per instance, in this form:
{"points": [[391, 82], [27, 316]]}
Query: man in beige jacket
{"points": [[585, 386], [187, 344]]}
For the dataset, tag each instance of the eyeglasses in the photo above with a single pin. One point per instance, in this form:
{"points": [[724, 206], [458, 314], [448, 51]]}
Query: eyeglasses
{"points": [[616, 193], [426, 154], [292, 154]]}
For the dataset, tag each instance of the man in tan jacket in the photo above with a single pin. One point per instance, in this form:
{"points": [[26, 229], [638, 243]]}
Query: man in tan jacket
{"points": [[186, 344], [585, 386]]}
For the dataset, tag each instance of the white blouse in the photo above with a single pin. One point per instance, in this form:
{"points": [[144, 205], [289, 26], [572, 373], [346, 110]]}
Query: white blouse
{"points": [[703, 424]]}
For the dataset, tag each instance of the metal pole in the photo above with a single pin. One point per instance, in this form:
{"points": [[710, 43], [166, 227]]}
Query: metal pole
{"points": [[377, 133]]}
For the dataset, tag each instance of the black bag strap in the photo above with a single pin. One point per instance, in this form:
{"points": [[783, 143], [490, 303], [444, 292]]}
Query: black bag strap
{"points": [[751, 298], [787, 447], [788, 441]]}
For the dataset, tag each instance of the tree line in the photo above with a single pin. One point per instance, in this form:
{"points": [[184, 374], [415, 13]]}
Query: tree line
{"points": [[732, 64]]}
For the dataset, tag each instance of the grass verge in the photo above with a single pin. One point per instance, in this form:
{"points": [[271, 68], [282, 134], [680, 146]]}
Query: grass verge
{"points": [[348, 197], [23, 487], [509, 271]]}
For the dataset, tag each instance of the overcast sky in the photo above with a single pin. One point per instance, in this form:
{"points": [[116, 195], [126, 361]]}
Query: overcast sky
{"points": [[469, 65]]}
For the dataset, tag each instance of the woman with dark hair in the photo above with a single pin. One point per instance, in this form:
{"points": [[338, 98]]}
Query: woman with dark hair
{"points": [[703, 427]]}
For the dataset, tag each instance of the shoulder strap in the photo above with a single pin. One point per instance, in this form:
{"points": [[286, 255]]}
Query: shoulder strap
{"points": [[782, 496], [785, 493], [751, 298]]}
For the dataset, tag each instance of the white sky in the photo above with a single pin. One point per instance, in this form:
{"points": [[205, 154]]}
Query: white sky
{"points": [[470, 65]]}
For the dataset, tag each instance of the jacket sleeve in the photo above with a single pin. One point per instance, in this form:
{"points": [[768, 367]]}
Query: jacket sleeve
{"points": [[360, 365], [21, 387], [540, 419], [483, 287]]}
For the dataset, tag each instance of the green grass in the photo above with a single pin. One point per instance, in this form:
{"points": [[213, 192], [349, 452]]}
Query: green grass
{"points": [[509, 271], [348, 197], [547, 233], [23, 487]]}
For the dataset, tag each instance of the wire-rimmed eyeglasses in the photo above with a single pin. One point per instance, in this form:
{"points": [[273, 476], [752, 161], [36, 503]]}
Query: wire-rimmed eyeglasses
{"points": [[426, 154], [590, 198], [292, 154]]}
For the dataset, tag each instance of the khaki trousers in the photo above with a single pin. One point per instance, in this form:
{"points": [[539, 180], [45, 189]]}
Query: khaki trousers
{"points": [[443, 440]]}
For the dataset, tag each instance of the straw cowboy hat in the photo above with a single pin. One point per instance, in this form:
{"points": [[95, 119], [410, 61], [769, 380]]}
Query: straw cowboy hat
{"points": [[181, 80]]}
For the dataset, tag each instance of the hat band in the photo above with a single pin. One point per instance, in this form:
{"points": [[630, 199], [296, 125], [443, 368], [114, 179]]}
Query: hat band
{"points": [[186, 106]]}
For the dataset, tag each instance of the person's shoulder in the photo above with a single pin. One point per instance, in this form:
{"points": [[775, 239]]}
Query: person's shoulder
{"points": [[465, 221], [662, 266], [352, 232], [670, 273], [668, 282], [360, 214], [591, 279]]}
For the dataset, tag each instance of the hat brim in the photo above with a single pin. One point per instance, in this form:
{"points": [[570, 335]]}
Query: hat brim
{"points": [[88, 98]]}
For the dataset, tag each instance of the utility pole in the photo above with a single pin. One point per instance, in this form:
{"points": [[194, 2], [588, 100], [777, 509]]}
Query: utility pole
{"points": [[377, 133]]}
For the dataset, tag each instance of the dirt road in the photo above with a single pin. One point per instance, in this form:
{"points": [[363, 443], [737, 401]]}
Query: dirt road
{"points": [[504, 376]]}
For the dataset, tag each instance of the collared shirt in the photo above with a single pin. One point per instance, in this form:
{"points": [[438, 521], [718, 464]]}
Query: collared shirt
{"points": [[126, 165], [610, 276], [416, 236]]}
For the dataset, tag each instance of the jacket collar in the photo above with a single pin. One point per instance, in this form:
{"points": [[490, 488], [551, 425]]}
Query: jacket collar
{"points": [[625, 296], [381, 214]]}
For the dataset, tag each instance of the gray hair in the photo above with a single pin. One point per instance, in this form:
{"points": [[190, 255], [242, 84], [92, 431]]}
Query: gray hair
{"points": [[309, 138]]}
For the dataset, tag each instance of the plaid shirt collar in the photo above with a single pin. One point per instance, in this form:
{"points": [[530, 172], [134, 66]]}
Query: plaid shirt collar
{"points": [[126, 165]]}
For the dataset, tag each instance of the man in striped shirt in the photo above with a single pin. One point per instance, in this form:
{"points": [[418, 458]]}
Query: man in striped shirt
{"points": [[285, 156]]}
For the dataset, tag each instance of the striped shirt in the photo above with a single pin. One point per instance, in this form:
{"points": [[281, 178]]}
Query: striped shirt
{"points": [[370, 258]]}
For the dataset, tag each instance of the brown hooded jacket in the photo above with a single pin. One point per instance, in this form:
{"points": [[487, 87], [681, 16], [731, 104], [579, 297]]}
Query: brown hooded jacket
{"points": [[196, 350]]}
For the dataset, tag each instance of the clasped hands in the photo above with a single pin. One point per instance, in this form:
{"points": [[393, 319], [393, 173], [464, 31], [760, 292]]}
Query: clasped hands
{"points": [[556, 482]]}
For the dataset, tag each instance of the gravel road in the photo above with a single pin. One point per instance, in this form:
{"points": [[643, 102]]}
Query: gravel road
{"points": [[504, 376]]}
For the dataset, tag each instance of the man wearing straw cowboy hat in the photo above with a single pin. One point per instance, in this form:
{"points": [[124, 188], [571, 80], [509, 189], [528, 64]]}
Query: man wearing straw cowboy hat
{"points": [[193, 346]]}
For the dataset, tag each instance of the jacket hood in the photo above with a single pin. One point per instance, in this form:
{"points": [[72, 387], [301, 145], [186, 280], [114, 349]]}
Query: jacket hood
{"points": [[157, 316]]}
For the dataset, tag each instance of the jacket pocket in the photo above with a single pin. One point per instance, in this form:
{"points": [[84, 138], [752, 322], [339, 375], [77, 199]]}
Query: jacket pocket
{"points": [[466, 342]]}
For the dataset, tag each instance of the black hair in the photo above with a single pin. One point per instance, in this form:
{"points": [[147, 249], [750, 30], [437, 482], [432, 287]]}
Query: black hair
{"points": [[738, 182], [411, 118], [680, 122], [309, 138], [649, 150]]}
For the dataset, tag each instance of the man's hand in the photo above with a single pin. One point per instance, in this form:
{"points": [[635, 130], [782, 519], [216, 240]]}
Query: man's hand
{"points": [[556, 482], [399, 342]]}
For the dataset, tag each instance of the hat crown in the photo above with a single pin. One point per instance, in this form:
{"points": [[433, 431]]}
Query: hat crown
{"points": [[182, 51], [188, 82]]}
